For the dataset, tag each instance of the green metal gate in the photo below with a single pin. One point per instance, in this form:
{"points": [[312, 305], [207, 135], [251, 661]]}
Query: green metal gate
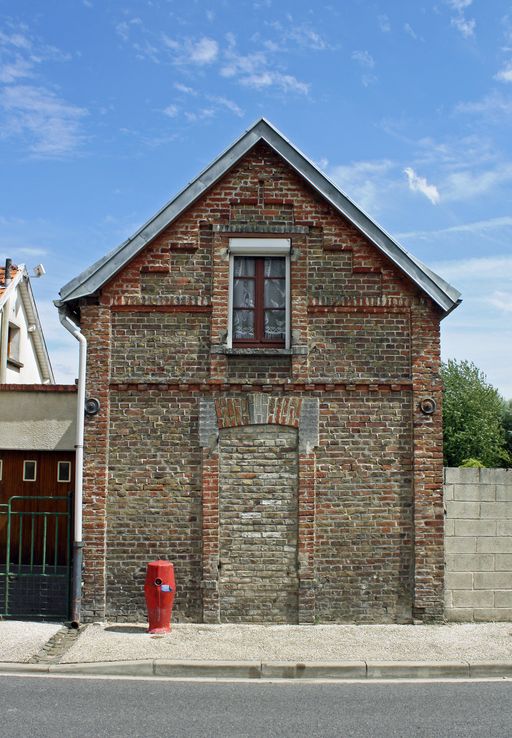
{"points": [[35, 557]]}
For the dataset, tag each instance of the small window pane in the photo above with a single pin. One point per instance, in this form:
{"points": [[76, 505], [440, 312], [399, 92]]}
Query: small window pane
{"points": [[244, 266], [1, 468], [64, 471], [275, 267], [243, 293], [275, 293], [243, 324], [275, 324], [29, 471]]}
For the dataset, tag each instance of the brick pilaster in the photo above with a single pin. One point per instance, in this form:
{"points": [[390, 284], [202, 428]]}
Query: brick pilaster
{"points": [[428, 466], [306, 538], [210, 516], [96, 326]]}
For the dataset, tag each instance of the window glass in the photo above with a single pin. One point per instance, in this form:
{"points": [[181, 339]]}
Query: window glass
{"points": [[274, 324], [275, 267], [243, 324], [259, 300], [243, 293], [64, 471], [275, 293], [29, 471], [244, 266]]}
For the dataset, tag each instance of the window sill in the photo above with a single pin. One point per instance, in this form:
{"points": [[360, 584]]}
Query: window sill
{"points": [[15, 363], [257, 351]]}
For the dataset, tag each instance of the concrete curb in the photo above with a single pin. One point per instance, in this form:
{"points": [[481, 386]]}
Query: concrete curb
{"points": [[363, 670]]}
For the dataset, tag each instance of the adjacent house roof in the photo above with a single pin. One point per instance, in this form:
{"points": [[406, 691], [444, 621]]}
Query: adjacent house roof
{"points": [[93, 278], [20, 282]]}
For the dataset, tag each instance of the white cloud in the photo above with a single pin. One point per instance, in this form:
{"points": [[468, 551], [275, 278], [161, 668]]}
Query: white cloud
{"points": [[200, 52], [501, 300], [18, 69], [51, 125], [31, 251], [498, 267], [171, 111], [492, 105], [185, 89], [204, 51], [218, 102], [239, 64], [464, 26], [365, 182], [477, 227], [410, 31], [420, 184], [505, 74], [384, 24], [460, 5], [124, 27], [254, 70], [459, 21], [201, 114], [367, 63], [18, 40], [364, 58], [226, 103], [301, 34], [463, 185], [284, 82]]}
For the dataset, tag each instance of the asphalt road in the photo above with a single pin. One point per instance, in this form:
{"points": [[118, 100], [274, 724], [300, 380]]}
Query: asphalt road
{"points": [[83, 708]]}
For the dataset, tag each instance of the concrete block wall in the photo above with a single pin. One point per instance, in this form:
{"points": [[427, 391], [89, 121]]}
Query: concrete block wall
{"points": [[478, 544]]}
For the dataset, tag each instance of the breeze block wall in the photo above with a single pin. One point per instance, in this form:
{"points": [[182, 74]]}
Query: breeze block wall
{"points": [[478, 529], [300, 485]]}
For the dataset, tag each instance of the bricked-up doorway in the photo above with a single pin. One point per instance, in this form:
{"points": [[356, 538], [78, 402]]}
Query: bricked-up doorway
{"points": [[258, 480]]}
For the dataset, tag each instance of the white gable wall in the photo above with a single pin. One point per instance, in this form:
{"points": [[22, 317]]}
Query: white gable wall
{"points": [[29, 373]]}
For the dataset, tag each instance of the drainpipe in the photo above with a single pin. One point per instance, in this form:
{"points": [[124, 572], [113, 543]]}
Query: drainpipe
{"points": [[76, 577], [4, 329]]}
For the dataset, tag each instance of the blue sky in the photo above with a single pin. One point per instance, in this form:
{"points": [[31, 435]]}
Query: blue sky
{"points": [[107, 109]]}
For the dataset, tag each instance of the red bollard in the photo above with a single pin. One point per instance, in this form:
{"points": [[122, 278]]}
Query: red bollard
{"points": [[159, 590]]}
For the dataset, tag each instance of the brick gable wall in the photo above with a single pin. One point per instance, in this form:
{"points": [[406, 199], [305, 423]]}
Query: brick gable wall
{"points": [[365, 349]]}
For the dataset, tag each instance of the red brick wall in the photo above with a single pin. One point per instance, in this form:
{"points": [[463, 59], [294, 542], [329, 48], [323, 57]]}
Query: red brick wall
{"points": [[364, 342]]}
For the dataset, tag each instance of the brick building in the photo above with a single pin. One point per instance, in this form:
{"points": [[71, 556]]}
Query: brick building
{"points": [[267, 363]]}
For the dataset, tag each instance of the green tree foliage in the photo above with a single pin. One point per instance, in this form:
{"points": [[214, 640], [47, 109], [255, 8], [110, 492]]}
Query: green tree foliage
{"points": [[473, 417], [507, 424]]}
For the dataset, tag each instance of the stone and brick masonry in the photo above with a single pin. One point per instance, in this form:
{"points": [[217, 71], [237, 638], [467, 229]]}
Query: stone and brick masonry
{"points": [[304, 486]]}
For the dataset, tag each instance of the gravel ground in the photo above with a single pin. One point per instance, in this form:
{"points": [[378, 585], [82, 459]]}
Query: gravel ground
{"points": [[19, 641], [112, 642]]}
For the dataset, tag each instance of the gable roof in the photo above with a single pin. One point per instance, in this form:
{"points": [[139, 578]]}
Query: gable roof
{"points": [[95, 276], [20, 282]]}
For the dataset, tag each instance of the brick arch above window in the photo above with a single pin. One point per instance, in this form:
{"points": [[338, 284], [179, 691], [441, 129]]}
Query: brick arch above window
{"points": [[259, 409]]}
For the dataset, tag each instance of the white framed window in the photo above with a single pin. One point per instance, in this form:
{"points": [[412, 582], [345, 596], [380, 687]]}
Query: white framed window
{"points": [[64, 471], [29, 471], [259, 293], [13, 342]]}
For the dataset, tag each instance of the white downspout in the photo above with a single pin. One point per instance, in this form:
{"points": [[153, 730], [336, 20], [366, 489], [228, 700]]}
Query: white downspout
{"points": [[70, 326]]}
